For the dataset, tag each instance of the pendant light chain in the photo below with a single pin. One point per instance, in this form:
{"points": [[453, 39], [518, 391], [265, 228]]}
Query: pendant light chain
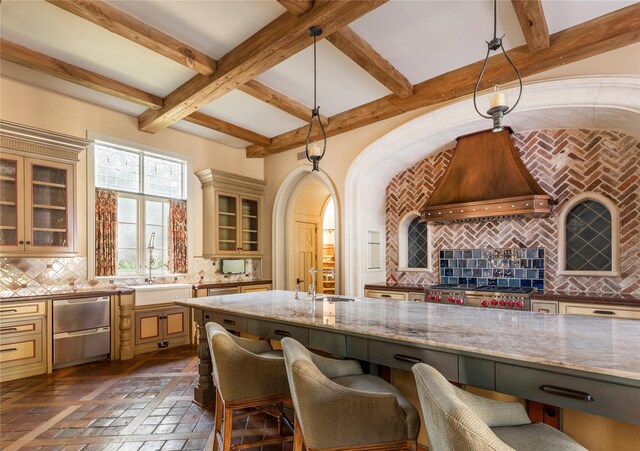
{"points": [[498, 109], [314, 153]]}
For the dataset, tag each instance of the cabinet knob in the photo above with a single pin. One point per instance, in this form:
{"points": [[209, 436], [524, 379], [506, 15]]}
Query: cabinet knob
{"points": [[28, 242], [20, 242]]}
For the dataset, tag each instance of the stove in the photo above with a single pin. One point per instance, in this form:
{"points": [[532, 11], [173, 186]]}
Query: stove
{"points": [[486, 296]]}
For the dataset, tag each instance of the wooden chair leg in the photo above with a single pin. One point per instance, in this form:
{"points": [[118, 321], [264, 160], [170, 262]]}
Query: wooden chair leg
{"points": [[228, 426], [218, 420], [297, 435], [280, 421]]}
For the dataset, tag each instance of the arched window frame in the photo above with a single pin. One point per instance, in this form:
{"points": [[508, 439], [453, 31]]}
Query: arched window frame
{"points": [[562, 236], [403, 244]]}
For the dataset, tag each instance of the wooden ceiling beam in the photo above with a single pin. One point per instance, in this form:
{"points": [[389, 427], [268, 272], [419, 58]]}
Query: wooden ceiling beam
{"points": [[533, 23], [43, 63], [74, 74], [114, 20], [365, 56], [360, 52], [602, 34], [274, 98], [279, 40], [227, 128]]}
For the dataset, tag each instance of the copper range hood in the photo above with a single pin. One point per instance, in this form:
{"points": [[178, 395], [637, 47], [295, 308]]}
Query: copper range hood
{"points": [[485, 180]]}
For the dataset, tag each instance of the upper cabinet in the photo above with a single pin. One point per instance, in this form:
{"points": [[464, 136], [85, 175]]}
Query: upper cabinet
{"points": [[37, 191], [232, 213]]}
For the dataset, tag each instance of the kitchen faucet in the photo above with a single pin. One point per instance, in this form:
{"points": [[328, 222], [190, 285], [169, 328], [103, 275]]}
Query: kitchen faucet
{"points": [[151, 280], [312, 288]]}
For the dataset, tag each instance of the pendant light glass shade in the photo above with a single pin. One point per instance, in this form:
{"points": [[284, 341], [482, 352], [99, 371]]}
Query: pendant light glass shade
{"points": [[498, 108], [313, 151]]}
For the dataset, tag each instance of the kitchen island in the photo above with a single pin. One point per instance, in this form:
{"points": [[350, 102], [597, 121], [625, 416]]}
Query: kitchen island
{"points": [[584, 363]]}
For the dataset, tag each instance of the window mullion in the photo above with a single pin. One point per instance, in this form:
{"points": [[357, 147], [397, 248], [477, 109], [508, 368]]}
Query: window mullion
{"points": [[141, 235]]}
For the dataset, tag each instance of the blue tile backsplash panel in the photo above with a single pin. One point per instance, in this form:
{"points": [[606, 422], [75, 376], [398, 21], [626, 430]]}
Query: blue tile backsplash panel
{"points": [[499, 267]]}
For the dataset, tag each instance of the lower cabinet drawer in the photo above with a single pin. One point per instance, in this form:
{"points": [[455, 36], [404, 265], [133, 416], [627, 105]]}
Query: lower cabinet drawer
{"points": [[27, 309], [404, 357], [20, 327], [602, 310], [330, 342], [21, 351], [234, 323], [600, 398], [398, 296], [278, 331], [544, 306]]}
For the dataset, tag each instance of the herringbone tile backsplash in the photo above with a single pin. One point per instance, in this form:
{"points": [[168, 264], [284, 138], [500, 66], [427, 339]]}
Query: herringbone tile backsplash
{"points": [[565, 163]]}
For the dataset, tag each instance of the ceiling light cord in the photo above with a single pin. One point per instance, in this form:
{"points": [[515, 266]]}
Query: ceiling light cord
{"points": [[313, 154]]}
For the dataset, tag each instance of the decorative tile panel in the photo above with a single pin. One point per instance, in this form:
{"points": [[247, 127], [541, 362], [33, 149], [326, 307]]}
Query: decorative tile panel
{"points": [[565, 163], [38, 276]]}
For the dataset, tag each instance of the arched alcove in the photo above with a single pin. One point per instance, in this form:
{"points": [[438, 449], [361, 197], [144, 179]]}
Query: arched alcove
{"points": [[607, 102], [282, 222]]}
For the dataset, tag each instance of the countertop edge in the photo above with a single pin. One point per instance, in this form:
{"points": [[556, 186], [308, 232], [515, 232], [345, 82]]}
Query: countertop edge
{"points": [[628, 300], [199, 286], [67, 295]]}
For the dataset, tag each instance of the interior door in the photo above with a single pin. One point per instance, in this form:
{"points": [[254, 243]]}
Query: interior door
{"points": [[304, 249]]}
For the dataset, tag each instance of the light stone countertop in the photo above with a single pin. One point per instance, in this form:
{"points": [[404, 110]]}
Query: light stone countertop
{"points": [[598, 345]]}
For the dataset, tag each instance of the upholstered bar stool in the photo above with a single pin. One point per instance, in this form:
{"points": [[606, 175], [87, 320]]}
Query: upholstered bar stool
{"points": [[340, 408], [459, 420], [248, 374]]}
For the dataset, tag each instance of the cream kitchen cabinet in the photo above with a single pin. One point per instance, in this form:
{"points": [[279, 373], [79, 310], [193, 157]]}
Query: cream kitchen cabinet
{"points": [[37, 191], [606, 311], [23, 340], [161, 328], [232, 213], [254, 288], [382, 294], [543, 306]]}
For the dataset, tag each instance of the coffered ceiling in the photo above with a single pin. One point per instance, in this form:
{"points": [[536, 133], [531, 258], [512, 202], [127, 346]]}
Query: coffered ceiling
{"points": [[402, 49]]}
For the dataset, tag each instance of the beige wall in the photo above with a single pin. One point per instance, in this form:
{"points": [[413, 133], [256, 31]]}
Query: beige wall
{"points": [[38, 107], [343, 149]]}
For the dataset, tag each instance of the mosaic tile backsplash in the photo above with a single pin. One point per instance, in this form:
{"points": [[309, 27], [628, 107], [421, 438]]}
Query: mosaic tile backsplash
{"points": [[38, 276], [500, 267]]}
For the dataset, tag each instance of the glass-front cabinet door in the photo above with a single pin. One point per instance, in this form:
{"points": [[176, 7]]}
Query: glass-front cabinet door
{"points": [[48, 206], [250, 236], [11, 204], [227, 213]]}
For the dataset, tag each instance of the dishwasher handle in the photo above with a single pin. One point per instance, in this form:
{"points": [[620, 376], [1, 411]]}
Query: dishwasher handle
{"points": [[80, 300]]}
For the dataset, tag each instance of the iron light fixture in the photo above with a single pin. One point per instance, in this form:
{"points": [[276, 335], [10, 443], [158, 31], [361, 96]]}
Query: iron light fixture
{"points": [[314, 152], [497, 105]]}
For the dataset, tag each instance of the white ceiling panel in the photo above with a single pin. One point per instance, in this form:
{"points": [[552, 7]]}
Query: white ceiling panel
{"points": [[246, 111], [342, 84], [30, 76], [213, 27], [213, 135], [50, 30], [423, 39], [562, 14]]}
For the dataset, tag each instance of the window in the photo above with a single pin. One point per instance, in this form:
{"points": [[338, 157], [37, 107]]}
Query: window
{"points": [[413, 244], [588, 236], [145, 183]]}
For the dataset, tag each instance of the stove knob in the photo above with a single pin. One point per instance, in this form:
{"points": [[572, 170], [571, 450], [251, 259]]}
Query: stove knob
{"points": [[436, 298], [502, 303], [430, 297], [485, 304], [450, 299], [520, 304], [459, 301], [511, 303], [494, 302]]}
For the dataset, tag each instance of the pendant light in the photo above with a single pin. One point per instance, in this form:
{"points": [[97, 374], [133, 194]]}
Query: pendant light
{"points": [[497, 105], [314, 152]]}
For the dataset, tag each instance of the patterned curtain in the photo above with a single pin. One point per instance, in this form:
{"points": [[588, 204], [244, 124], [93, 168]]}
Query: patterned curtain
{"points": [[106, 232], [178, 236]]}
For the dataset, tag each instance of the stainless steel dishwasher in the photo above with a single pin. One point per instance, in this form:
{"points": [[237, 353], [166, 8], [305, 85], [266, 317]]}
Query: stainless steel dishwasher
{"points": [[81, 330]]}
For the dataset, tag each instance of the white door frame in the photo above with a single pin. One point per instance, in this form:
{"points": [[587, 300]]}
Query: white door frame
{"points": [[283, 224]]}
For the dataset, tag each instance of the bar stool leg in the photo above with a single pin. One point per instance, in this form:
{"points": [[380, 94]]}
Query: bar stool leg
{"points": [[218, 420], [297, 435], [228, 426]]}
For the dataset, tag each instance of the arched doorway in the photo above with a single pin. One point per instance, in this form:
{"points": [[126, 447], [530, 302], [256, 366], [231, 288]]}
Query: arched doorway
{"points": [[299, 211]]}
